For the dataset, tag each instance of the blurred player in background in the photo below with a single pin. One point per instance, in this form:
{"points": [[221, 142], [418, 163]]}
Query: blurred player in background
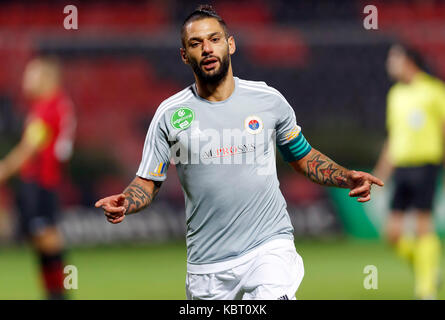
{"points": [[413, 153], [46, 142], [239, 235]]}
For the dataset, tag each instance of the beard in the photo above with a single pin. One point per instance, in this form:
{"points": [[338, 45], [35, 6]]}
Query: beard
{"points": [[212, 78]]}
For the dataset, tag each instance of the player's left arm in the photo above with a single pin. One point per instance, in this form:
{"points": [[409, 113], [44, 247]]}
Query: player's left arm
{"points": [[297, 151], [322, 170], [35, 136]]}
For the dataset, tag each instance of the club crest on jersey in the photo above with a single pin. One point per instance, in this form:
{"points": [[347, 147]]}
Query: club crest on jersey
{"points": [[253, 124], [182, 118]]}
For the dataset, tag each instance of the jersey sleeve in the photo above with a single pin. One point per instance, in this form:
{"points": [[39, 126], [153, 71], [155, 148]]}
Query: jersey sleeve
{"points": [[156, 154], [290, 140]]}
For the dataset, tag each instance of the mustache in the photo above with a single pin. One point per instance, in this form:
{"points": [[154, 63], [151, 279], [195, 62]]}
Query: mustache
{"points": [[208, 58]]}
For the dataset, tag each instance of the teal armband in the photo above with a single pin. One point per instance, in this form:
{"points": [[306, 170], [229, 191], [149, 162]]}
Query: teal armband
{"points": [[296, 149]]}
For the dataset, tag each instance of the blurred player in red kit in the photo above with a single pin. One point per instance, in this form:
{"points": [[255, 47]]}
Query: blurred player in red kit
{"points": [[38, 158]]}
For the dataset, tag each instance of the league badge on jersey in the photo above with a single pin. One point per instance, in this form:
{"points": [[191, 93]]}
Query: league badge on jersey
{"points": [[160, 170], [182, 118], [253, 124]]}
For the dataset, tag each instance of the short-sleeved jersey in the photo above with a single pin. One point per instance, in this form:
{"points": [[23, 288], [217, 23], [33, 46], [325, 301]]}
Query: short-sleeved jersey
{"points": [[50, 125], [224, 154], [415, 119]]}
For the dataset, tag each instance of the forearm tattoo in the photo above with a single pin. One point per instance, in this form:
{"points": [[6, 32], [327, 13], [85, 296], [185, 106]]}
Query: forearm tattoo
{"points": [[137, 197], [322, 170]]}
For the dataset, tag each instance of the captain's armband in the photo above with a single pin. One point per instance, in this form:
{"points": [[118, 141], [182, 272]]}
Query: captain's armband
{"points": [[37, 133], [296, 149]]}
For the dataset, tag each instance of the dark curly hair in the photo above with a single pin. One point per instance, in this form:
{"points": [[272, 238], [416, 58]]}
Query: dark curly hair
{"points": [[202, 12]]}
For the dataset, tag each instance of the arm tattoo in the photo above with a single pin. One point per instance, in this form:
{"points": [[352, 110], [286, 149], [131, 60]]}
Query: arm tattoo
{"points": [[324, 171], [137, 197]]}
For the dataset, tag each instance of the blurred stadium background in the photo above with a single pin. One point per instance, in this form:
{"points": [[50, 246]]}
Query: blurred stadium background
{"points": [[124, 60]]}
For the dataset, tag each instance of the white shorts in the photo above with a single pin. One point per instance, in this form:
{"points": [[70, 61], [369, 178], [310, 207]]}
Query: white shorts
{"points": [[272, 271]]}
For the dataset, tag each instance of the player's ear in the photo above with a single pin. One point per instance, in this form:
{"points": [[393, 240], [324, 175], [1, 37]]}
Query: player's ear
{"points": [[184, 56], [232, 45]]}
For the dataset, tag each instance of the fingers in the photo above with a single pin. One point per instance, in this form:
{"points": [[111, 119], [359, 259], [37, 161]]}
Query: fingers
{"points": [[113, 210], [115, 199], [364, 199], [112, 204], [99, 203], [364, 190], [366, 187], [110, 209], [364, 193], [113, 215], [105, 201], [365, 181], [116, 220], [376, 181], [356, 175]]}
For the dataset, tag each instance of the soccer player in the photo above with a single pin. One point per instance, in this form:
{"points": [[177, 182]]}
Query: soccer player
{"points": [[221, 132], [413, 153], [45, 144]]}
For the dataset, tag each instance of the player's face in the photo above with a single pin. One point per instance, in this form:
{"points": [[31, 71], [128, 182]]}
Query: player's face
{"points": [[207, 50], [33, 79], [396, 63]]}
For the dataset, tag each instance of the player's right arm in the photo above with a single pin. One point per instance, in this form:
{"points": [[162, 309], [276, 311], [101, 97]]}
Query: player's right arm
{"points": [[136, 197], [152, 171]]}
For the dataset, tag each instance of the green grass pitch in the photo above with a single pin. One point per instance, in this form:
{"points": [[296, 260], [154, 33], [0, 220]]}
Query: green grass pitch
{"points": [[333, 270]]}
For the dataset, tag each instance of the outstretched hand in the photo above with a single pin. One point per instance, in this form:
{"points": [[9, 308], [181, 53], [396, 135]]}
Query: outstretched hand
{"points": [[360, 184], [114, 208]]}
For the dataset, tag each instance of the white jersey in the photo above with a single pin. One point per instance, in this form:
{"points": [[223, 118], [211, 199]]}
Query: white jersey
{"points": [[225, 157]]}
